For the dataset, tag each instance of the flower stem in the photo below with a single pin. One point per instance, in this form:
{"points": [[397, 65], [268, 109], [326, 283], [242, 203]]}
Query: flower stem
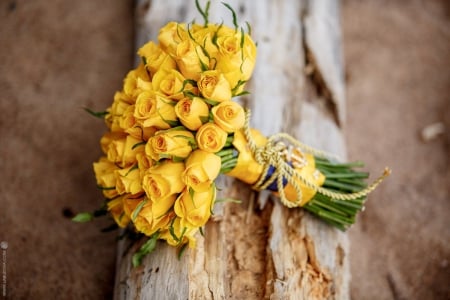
{"points": [[228, 165], [342, 178]]}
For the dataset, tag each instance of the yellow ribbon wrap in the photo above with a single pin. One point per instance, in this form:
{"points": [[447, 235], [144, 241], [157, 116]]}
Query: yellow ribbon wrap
{"points": [[247, 169], [310, 173], [250, 171]]}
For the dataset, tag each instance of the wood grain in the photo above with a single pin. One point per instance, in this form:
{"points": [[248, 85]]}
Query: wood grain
{"points": [[264, 251]]}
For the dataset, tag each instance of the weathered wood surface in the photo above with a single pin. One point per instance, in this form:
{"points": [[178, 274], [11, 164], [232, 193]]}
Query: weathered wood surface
{"points": [[263, 251]]}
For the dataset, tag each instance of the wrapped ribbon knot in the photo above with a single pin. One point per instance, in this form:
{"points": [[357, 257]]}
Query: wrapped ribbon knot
{"points": [[288, 170]]}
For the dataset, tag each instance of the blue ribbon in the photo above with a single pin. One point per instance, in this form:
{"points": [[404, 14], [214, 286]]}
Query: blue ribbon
{"points": [[274, 185]]}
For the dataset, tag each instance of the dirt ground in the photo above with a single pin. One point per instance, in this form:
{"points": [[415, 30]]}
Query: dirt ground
{"points": [[398, 69], [61, 56]]}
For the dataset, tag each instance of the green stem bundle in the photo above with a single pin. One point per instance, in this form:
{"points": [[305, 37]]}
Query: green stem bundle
{"points": [[340, 178]]}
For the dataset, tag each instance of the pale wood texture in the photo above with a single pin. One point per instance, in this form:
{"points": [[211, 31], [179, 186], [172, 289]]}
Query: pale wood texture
{"points": [[263, 251]]}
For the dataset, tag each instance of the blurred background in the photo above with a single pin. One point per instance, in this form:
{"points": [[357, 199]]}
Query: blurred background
{"points": [[57, 57]]}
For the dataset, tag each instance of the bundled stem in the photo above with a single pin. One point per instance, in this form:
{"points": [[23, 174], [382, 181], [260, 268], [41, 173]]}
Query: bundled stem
{"points": [[341, 178]]}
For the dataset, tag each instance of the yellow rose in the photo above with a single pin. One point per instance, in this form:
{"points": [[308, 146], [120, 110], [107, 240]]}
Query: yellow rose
{"points": [[144, 163], [155, 110], [136, 82], [120, 104], [170, 83], [128, 180], [115, 113], [204, 36], [213, 86], [131, 148], [130, 202], [190, 59], [163, 180], [115, 207], [153, 216], [234, 62], [202, 168], [173, 144], [128, 123], [211, 137], [194, 209], [183, 234], [113, 145], [229, 115], [192, 113], [120, 148], [171, 35], [155, 58], [106, 179]]}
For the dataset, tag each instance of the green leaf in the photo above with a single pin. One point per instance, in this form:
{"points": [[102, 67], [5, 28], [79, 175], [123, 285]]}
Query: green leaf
{"points": [[191, 141], [189, 94], [249, 28], [216, 34], [131, 169], [205, 12], [229, 142], [138, 144], [177, 128], [144, 60], [172, 123], [172, 231], [164, 214], [233, 14], [211, 207], [106, 187], [138, 209], [177, 158], [238, 85], [190, 33], [224, 200], [243, 93], [210, 116], [168, 101], [182, 235], [165, 155], [191, 194], [97, 114], [187, 81], [178, 30], [203, 66], [212, 102], [83, 217], [182, 249], [213, 67], [145, 249], [204, 119]]}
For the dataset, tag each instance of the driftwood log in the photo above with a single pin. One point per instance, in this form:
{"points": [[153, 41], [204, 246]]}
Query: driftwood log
{"points": [[260, 249]]}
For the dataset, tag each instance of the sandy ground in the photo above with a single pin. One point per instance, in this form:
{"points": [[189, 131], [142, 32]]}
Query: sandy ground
{"points": [[398, 67], [58, 57]]}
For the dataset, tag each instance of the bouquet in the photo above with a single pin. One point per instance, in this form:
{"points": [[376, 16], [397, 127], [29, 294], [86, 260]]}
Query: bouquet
{"points": [[174, 127]]}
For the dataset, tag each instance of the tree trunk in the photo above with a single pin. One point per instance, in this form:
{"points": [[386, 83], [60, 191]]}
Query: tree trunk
{"points": [[260, 249]]}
